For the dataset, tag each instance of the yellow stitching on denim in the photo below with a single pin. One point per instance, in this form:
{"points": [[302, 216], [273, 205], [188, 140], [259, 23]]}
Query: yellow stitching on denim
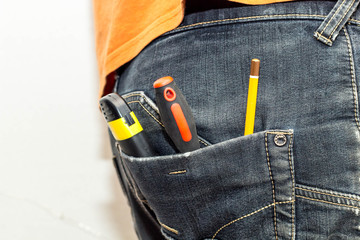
{"points": [[137, 101], [318, 36], [337, 204], [248, 215], [203, 142], [292, 190], [177, 172], [353, 83], [292, 179], [272, 182], [133, 102], [170, 229], [354, 20], [342, 18], [142, 96], [279, 132], [251, 17], [240, 218], [132, 95], [329, 194], [286, 202], [147, 111], [337, 10]]}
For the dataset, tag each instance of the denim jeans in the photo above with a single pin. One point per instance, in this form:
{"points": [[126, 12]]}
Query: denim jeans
{"points": [[298, 175]]}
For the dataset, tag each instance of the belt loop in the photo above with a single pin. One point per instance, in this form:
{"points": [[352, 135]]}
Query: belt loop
{"points": [[335, 21]]}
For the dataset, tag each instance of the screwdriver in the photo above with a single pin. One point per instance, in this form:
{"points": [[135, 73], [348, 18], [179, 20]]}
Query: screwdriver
{"points": [[176, 115]]}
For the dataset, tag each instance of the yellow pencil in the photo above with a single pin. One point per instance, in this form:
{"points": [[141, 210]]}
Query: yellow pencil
{"points": [[252, 95]]}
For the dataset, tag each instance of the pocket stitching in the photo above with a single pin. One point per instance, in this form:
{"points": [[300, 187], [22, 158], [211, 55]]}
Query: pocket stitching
{"points": [[170, 229], [323, 201], [272, 181], [292, 181], [329, 194], [292, 190], [353, 79], [178, 172], [147, 112], [250, 214]]}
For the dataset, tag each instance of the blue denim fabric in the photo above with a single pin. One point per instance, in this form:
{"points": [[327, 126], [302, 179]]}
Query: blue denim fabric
{"points": [[298, 175]]}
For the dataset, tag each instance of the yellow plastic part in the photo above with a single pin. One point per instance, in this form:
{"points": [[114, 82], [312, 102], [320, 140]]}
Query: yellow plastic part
{"points": [[251, 105], [122, 131]]}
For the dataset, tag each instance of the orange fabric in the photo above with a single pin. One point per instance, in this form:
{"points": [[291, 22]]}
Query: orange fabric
{"points": [[124, 27]]}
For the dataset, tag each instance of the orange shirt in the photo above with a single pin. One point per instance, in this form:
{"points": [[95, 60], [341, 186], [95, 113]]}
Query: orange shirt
{"points": [[124, 27]]}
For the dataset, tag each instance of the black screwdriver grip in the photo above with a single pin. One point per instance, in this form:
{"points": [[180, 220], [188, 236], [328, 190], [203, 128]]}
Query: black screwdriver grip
{"points": [[176, 115]]}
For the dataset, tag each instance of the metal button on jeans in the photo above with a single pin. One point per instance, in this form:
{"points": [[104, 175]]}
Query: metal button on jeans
{"points": [[280, 140]]}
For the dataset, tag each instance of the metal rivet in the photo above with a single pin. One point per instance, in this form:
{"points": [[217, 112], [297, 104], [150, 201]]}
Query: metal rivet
{"points": [[280, 140]]}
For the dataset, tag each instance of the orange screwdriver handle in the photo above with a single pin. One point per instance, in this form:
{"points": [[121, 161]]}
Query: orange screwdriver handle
{"points": [[176, 115]]}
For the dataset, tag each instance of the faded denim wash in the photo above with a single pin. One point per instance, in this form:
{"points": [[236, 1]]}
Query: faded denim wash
{"points": [[298, 175]]}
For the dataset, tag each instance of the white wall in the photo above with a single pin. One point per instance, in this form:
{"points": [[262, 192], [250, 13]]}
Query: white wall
{"points": [[56, 176]]}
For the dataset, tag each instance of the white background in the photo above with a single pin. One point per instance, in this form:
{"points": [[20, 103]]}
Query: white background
{"points": [[56, 176]]}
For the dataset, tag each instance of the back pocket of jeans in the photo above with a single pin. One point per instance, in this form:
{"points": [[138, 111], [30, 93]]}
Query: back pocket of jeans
{"points": [[236, 189]]}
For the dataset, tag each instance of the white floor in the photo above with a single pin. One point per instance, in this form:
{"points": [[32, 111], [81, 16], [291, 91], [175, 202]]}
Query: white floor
{"points": [[56, 176]]}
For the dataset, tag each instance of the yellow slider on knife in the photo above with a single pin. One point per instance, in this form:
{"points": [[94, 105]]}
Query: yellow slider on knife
{"points": [[252, 96]]}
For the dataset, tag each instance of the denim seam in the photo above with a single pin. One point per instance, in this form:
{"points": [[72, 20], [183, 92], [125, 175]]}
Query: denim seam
{"points": [[329, 194], [353, 80], [258, 17], [128, 178], [279, 132], [337, 10], [262, 17], [272, 182], [248, 215], [138, 96], [318, 36], [323, 201], [342, 18], [147, 111], [131, 183], [292, 190], [178, 172], [169, 228], [141, 96], [135, 192]]}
